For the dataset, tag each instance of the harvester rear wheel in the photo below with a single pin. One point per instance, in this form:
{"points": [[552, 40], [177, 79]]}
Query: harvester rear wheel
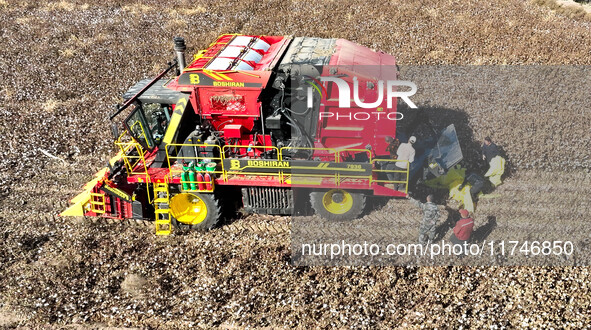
{"points": [[194, 211], [338, 204]]}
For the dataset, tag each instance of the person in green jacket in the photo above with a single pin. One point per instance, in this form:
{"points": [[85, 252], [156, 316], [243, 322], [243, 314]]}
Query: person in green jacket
{"points": [[430, 218]]}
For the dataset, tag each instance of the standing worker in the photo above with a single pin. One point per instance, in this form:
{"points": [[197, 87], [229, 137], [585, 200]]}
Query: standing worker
{"points": [[405, 152], [463, 229], [430, 218], [490, 153], [392, 149]]}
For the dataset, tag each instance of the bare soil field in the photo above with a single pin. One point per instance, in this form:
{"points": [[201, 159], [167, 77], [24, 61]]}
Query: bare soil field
{"points": [[65, 63]]}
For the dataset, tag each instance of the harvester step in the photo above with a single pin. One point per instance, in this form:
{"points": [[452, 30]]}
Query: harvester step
{"points": [[163, 232], [163, 227], [162, 211], [161, 200]]}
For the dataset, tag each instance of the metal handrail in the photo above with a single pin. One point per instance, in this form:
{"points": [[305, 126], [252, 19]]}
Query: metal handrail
{"points": [[127, 147], [281, 175], [228, 146], [406, 171], [132, 162], [172, 169]]}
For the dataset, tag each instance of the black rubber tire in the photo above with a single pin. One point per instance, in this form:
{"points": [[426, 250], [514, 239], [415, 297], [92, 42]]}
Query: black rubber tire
{"points": [[212, 219], [356, 209]]}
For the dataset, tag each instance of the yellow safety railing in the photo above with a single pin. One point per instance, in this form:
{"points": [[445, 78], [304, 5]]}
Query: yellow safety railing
{"points": [[398, 170], [309, 178], [134, 164], [342, 177], [240, 146], [132, 161], [229, 171], [178, 171], [282, 176]]}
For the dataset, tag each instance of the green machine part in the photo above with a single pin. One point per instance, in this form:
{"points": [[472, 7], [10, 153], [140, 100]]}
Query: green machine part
{"points": [[193, 179], [187, 176]]}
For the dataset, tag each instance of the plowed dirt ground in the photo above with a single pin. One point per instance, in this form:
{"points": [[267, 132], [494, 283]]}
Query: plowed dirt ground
{"points": [[63, 65]]}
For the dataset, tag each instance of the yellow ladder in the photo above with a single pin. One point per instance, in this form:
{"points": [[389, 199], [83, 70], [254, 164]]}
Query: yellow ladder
{"points": [[97, 203], [161, 209]]}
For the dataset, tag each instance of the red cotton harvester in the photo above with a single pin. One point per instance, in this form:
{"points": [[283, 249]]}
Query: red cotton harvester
{"points": [[250, 122]]}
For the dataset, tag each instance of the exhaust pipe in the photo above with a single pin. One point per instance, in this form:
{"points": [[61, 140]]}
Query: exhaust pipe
{"points": [[179, 48]]}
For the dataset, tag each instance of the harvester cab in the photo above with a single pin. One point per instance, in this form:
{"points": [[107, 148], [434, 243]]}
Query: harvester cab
{"points": [[250, 120]]}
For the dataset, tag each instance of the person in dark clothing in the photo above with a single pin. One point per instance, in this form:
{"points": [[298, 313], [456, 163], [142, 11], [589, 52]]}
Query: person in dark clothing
{"points": [[476, 185], [496, 163], [489, 150], [392, 149]]}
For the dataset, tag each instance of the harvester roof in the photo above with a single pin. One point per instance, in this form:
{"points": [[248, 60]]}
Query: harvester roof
{"points": [[243, 61], [239, 52], [247, 61]]}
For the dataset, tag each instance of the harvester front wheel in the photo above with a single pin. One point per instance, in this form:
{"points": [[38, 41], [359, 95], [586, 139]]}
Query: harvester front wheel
{"points": [[338, 204], [194, 211]]}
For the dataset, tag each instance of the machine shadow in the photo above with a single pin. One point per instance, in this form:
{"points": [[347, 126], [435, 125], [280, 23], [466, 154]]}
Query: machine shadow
{"points": [[452, 217], [482, 232], [425, 123]]}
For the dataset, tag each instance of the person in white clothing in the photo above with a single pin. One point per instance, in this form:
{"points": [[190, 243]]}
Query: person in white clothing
{"points": [[405, 152]]}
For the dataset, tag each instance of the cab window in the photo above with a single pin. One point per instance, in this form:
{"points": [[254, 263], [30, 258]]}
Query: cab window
{"points": [[157, 116], [138, 127]]}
